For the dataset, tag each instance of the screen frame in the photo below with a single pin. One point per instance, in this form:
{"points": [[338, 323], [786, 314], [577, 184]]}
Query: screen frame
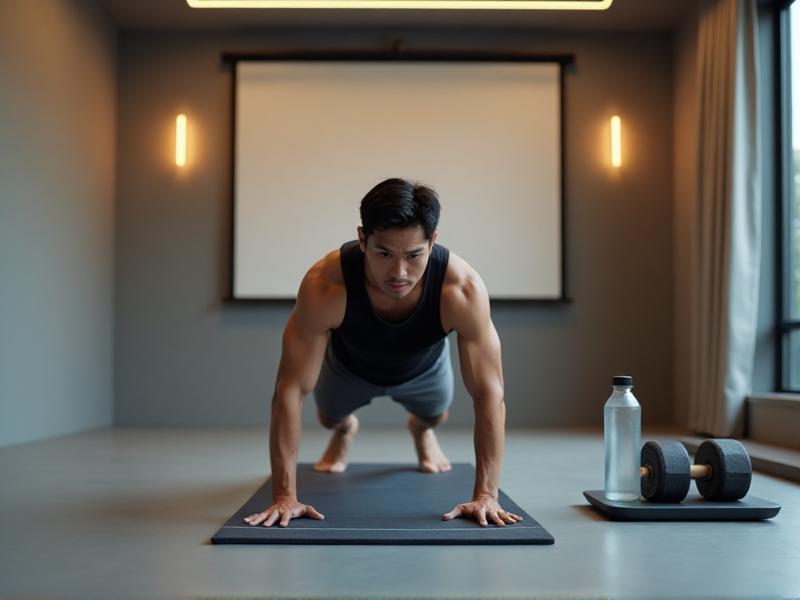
{"points": [[397, 53]]}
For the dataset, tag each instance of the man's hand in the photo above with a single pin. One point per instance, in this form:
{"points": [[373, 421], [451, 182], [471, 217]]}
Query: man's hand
{"points": [[480, 508], [284, 508]]}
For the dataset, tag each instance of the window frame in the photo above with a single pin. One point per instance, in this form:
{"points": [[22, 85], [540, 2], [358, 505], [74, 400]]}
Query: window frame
{"points": [[784, 189]]}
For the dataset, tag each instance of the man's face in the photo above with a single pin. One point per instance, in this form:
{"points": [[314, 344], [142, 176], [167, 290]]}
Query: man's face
{"points": [[396, 256]]}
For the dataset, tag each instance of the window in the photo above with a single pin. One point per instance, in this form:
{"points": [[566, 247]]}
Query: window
{"points": [[789, 279]]}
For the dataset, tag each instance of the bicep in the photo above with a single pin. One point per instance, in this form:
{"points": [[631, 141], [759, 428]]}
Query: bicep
{"points": [[481, 362], [478, 344], [304, 341], [301, 357]]}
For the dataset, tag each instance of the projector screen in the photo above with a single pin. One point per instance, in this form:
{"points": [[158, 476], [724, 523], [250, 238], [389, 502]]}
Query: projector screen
{"points": [[311, 138]]}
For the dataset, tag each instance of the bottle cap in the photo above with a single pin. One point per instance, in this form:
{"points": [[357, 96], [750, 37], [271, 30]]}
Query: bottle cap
{"points": [[622, 380]]}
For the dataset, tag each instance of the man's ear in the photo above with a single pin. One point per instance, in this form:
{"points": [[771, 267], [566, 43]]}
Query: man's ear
{"points": [[361, 241], [434, 237]]}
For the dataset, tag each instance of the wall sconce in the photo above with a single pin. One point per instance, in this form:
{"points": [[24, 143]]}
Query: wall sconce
{"points": [[616, 141], [180, 140]]}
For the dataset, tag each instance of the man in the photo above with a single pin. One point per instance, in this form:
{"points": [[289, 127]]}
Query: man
{"points": [[371, 319]]}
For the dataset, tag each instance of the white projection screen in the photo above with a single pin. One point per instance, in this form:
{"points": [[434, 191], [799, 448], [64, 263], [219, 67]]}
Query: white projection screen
{"points": [[312, 137]]}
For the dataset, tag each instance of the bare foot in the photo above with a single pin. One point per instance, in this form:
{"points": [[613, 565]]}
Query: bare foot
{"points": [[431, 457], [334, 460]]}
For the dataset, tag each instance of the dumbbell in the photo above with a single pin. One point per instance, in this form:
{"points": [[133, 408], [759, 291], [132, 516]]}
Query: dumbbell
{"points": [[721, 470]]}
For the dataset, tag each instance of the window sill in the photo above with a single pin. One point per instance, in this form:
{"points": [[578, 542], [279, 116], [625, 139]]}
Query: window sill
{"points": [[766, 458], [785, 400], [774, 419], [773, 441]]}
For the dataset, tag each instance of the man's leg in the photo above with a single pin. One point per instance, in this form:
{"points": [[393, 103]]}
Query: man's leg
{"points": [[428, 397], [430, 455], [334, 459], [337, 395]]}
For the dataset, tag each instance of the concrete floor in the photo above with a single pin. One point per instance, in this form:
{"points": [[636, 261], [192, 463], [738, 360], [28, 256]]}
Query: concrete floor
{"points": [[128, 513]]}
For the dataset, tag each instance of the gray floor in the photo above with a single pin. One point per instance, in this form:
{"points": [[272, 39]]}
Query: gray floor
{"points": [[127, 513]]}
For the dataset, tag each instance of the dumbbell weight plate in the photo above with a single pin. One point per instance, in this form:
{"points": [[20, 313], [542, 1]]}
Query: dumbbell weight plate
{"points": [[731, 470], [669, 474]]}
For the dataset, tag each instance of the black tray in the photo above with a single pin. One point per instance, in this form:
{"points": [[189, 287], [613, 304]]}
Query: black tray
{"points": [[693, 508]]}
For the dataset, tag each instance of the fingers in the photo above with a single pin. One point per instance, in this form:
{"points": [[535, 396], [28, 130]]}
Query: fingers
{"points": [[314, 513], [501, 517], [456, 512], [286, 517], [496, 518], [483, 514], [269, 515], [284, 513], [256, 518], [507, 518]]}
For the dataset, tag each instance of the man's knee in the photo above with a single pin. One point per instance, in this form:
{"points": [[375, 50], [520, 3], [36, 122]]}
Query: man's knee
{"points": [[434, 421], [329, 423]]}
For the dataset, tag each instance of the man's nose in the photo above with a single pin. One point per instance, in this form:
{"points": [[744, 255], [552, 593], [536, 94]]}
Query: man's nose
{"points": [[398, 270]]}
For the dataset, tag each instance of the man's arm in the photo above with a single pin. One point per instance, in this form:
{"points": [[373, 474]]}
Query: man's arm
{"points": [[304, 340], [486, 390], [481, 368], [482, 371], [301, 361]]}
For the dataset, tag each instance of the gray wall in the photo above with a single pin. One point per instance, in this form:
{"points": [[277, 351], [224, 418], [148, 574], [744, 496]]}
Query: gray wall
{"points": [[57, 129], [182, 357]]}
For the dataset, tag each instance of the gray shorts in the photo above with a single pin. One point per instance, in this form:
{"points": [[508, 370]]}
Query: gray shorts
{"points": [[339, 392]]}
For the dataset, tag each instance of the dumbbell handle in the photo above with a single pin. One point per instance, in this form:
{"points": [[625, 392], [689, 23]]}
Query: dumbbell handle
{"points": [[697, 471]]}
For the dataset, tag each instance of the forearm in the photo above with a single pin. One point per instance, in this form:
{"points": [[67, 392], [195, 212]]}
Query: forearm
{"points": [[490, 418], [284, 440]]}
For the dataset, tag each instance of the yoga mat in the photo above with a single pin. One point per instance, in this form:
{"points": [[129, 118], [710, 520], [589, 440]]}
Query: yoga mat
{"points": [[381, 503]]}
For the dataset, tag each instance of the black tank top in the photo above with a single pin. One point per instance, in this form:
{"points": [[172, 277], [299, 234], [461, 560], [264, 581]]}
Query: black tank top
{"points": [[387, 353]]}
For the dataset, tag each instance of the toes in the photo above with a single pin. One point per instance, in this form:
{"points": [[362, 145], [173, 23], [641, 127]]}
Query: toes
{"points": [[326, 467], [429, 467]]}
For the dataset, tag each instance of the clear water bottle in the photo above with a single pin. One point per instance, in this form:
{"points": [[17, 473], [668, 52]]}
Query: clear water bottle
{"points": [[621, 433]]}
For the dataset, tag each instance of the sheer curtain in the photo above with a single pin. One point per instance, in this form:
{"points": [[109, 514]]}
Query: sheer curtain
{"points": [[724, 304]]}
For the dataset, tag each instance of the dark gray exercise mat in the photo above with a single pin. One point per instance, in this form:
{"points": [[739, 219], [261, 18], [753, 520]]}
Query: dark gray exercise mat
{"points": [[381, 503], [693, 508]]}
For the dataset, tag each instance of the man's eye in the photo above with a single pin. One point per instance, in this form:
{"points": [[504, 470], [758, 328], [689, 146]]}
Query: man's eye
{"points": [[413, 256]]}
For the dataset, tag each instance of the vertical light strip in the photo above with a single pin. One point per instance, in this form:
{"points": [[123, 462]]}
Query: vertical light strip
{"points": [[180, 140], [616, 141]]}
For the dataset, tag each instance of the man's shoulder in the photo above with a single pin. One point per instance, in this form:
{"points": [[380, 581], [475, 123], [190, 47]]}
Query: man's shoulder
{"points": [[461, 278], [327, 271], [462, 291], [323, 290]]}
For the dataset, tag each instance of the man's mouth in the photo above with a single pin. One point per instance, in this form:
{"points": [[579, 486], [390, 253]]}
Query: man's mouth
{"points": [[397, 286]]}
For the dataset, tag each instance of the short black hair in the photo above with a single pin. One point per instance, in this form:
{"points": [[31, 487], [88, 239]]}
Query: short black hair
{"points": [[399, 203]]}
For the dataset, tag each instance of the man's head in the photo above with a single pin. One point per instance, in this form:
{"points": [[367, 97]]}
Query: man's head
{"points": [[398, 230]]}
